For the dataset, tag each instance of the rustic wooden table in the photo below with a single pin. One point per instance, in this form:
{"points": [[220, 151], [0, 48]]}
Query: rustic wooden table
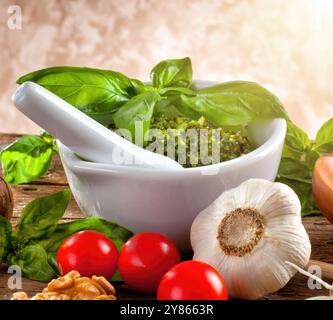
{"points": [[319, 229]]}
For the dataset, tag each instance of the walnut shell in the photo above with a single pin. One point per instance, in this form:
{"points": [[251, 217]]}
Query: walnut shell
{"points": [[6, 199]]}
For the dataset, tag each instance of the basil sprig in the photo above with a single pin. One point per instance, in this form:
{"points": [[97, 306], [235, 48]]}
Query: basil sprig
{"points": [[235, 103], [114, 99], [176, 73], [33, 261], [39, 218], [138, 109], [298, 160], [27, 159], [34, 243], [94, 91]]}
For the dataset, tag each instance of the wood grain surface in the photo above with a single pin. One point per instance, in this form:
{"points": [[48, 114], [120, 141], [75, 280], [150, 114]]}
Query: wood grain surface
{"points": [[319, 229]]}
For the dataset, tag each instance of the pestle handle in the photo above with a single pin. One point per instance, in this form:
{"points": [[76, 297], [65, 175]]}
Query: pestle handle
{"points": [[80, 133]]}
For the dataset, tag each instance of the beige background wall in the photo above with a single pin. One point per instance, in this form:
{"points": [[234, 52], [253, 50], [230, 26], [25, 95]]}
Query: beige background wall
{"points": [[285, 45]]}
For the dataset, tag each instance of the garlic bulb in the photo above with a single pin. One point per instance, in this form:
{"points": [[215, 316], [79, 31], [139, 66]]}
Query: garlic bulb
{"points": [[248, 233]]}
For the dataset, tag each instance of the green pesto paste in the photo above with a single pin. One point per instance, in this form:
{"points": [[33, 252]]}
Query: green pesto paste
{"points": [[195, 143], [215, 144]]}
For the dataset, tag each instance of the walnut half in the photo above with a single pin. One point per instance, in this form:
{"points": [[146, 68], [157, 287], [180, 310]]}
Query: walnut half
{"points": [[73, 287]]}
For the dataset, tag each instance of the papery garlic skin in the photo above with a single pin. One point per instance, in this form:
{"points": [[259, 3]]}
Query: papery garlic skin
{"points": [[283, 238]]}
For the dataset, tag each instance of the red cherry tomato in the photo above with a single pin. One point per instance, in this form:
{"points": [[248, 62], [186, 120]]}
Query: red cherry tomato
{"points": [[145, 258], [192, 280], [88, 252]]}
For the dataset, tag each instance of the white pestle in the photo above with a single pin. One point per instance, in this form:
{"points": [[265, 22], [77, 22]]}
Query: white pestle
{"points": [[82, 134]]}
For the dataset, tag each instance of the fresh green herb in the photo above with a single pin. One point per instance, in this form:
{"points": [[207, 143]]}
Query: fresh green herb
{"points": [[52, 260], [298, 159], [93, 91], [138, 109], [297, 143], [38, 219], [173, 107], [50, 140], [176, 91], [234, 104], [27, 159], [172, 73], [5, 237], [33, 245], [139, 86], [324, 138], [33, 261]]}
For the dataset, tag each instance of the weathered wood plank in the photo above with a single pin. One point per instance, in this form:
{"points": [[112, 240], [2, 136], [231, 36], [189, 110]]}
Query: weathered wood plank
{"points": [[320, 231], [7, 138]]}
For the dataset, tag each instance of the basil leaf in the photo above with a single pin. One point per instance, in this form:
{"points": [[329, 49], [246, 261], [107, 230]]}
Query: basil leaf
{"points": [[25, 160], [172, 108], [117, 277], [170, 91], [138, 109], [94, 91], [139, 86], [324, 138], [119, 235], [50, 140], [295, 170], [33, 261], [52, 261], [296, 166], [297, 143], [39, 217], [172, 73], [236, 103], [304, 193], [5, 237]]}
